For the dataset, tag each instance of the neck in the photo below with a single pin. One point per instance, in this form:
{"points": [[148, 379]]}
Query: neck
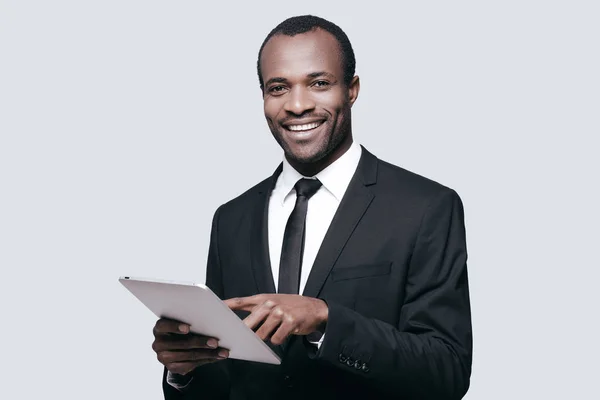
{"points": [[312, 169]]}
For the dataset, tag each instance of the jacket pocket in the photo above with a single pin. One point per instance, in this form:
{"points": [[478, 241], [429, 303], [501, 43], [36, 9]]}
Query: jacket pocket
{"points": [[361, 271]]}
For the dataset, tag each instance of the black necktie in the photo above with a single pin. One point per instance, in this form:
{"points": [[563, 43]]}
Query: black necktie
{"points": [[293, 238]]}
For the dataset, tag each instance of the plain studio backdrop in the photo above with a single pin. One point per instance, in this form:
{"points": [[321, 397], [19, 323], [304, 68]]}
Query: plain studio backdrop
{"points": [[125, 124]]}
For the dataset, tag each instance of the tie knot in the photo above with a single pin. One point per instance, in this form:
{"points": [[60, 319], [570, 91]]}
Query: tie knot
{"points": [[307, 187]]}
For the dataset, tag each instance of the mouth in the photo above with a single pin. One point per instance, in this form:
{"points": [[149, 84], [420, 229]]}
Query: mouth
{"points": [[301, 128]]}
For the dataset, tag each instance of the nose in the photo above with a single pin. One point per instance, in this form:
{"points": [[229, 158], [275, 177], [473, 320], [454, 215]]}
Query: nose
{"points": [[299, 101]]}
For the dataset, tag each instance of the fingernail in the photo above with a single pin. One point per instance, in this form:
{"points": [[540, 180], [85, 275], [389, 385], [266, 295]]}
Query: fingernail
{"points": [[212, 343], [223, 353], [183, 328]]}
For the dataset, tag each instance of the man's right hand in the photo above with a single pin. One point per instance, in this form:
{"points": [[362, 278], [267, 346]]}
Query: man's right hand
{"points": [[181, 351]]}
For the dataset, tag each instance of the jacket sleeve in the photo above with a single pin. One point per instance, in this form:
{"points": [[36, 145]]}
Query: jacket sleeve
{"points": [[210, 381], [428, 355]]}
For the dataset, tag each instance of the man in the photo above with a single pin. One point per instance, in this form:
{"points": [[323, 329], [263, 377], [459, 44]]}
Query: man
{"points": [[377, 252]]}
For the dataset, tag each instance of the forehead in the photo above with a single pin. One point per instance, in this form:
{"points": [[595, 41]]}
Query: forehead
{"points": [[299, 55]]}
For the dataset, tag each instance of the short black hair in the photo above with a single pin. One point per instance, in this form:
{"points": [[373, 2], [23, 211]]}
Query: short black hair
{"points": [[305, 23]]}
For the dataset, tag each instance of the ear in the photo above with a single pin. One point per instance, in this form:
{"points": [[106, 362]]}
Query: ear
{"points": [[353, 89]]}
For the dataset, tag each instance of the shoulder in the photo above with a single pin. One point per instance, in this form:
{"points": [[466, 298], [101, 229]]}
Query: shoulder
{"points": [[245, 203], [414, 196], [399, 181]]}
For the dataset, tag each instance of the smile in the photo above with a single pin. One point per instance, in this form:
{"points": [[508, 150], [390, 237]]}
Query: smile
{"points": [[305, 127]]}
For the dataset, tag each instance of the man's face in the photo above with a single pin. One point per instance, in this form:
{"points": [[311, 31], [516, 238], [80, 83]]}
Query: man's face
{"points": [[306, 103]]}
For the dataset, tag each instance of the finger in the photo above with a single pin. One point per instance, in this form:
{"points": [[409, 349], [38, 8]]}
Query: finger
{"points": [[271, 324], [244, 303], [186, 342], [164, 326], [286, 327], [169, 357], [259, 314]]}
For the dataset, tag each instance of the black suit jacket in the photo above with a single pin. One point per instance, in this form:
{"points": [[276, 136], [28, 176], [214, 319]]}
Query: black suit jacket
{"points": [[392, 269]]}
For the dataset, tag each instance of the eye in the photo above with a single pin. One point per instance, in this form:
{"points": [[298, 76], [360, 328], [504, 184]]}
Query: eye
{"points": [[321, 84], [276, 89]]}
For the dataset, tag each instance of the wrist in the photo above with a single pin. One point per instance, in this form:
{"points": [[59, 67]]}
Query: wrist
{"points": [[323, 316]]}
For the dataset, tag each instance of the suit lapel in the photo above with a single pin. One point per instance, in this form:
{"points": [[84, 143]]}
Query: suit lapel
{"points": [[353, 206], [259, 237], [259, 244]]}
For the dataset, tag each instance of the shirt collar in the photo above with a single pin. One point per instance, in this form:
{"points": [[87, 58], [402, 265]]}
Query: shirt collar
{"points": [[335, 178]]}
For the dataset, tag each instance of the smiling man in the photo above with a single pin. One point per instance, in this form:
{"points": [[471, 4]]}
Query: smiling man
{"points": [[307, 98], [353, 270]]}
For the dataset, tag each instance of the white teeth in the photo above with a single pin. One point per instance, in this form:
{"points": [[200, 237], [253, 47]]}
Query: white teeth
{"points": [[304, 127]]}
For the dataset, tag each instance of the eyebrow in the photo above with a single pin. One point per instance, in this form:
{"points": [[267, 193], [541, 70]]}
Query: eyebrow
{"points": [[275, 80], [312, 75], [320, 73]]}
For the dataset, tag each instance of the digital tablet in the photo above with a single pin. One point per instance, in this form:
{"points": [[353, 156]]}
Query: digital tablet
{"points": [[196, 305]]}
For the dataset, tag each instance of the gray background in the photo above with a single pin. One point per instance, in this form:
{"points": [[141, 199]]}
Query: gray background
{"points": [[125, 124]]}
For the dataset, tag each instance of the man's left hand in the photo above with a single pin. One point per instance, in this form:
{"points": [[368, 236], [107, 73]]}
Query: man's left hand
{"points": [[282, 315]]}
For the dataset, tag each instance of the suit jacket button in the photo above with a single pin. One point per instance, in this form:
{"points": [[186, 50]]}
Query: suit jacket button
{"points": [[358, 364], [364, 368], [342, 358], [350, 362]]}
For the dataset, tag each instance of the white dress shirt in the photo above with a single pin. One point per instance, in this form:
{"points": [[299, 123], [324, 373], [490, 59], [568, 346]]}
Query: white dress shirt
{"points": [[322, 206]]}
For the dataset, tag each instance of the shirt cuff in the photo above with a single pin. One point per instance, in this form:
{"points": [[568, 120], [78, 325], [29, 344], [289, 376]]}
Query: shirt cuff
{"points": [[179, 382], [314, 339]]}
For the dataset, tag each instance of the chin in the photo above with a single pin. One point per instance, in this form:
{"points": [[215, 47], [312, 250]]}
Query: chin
{"points": [[306, 157]]}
